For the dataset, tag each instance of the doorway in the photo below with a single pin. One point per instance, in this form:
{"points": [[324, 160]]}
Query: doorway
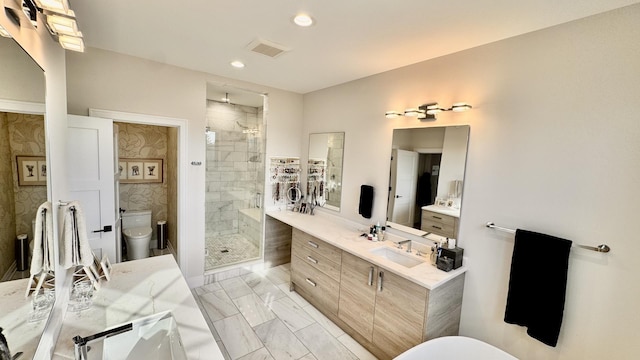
{"points": [[176, 138]]}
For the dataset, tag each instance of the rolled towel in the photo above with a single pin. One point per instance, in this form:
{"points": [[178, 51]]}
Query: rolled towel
{"points": [[42, 258], [75, 248]]}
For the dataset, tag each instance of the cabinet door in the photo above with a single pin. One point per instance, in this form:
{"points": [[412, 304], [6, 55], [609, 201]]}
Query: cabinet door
{"points": [[358, 294], [399, 313]]}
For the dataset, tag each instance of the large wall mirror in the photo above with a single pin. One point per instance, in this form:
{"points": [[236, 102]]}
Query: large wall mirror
{"points": [[426, 179], [23, 188], [324, 170]]}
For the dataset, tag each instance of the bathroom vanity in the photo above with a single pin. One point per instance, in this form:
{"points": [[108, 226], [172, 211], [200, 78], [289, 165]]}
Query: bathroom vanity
{"points": [[440, 220], [139, 289], [386, 299], [22, 335]]}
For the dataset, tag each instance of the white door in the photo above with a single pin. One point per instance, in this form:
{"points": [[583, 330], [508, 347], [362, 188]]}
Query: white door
{"points": [[91, 179], [403, 190]]}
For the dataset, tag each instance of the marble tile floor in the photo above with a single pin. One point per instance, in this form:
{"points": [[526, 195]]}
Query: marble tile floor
{"points": [[255, 316], [225, 250]]}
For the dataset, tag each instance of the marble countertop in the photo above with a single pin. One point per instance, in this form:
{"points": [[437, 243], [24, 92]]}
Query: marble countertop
{"points": [[443, 210], [345, 235], [21, 335], [140, 288]]}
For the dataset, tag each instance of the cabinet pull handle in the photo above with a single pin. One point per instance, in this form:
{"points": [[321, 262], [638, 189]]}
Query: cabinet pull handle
{"points": [[380, 278], [437, 217], [312, 259], [437, 227], [311, 282], [312, 244], [371, 269]]}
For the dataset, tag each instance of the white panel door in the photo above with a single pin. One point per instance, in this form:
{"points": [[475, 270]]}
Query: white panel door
{"points": [[406, 181], [91, 178]]}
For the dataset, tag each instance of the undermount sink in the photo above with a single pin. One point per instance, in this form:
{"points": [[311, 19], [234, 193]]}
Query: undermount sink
{"points": [[400, 258], [152, 337]]}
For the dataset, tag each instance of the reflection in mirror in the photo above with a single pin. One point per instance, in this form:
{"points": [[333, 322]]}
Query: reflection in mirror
{"points": [[324, 171], [426, 177], [23, 188]]}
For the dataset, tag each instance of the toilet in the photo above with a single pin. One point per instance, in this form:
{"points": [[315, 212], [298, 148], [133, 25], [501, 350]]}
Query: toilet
{"points": [[136, 228]]}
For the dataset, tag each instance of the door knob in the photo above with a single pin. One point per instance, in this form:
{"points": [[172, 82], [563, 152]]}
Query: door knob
{"points": [[398, 196]]}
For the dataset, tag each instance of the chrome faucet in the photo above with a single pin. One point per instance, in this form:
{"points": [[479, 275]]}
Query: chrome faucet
{"points": [[80, 343], [408, 242]]}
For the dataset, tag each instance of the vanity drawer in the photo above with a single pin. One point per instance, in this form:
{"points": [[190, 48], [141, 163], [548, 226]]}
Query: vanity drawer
{"points": [[438, 218], [439, 224], [320, 289], [316, 260], [319, 247]]}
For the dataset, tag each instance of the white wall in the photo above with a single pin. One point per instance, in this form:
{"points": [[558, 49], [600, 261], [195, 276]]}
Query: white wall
{"points": [[554, 147], [107, 80]]}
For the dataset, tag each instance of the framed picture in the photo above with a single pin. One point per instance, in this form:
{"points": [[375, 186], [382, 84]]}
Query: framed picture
{"points": [[122, 170], [105, 267], [32, 170], [141, 171]]}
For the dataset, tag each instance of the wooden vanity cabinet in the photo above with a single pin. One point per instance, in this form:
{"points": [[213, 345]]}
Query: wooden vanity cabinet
{"points": [[439, 224], [384, 312], [315, 270], [358, 294], [389, 314], [399, 313]]}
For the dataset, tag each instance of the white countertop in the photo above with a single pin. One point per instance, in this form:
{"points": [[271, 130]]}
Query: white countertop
{"points": [[443, 210], [140, 288], [21, 335], [345, 235]]}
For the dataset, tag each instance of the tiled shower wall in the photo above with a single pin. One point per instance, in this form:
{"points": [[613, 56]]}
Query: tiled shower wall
{"points": [[235, 164]]}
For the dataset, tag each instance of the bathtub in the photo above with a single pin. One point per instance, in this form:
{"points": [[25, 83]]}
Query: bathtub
{"points": [[455, 348]]}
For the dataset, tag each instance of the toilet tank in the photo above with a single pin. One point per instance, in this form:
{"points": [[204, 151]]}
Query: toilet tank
{"points": [[134, 219]]}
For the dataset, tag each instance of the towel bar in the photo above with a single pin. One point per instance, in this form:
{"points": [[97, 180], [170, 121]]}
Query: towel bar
{"points": [[604, 248]]}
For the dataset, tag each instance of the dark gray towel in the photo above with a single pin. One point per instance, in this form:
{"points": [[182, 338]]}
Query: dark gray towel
{"points": [[537, 284], [366, 201]]}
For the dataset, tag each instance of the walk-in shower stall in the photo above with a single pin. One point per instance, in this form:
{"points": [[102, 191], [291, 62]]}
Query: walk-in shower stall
{"points": [[234, 183]]}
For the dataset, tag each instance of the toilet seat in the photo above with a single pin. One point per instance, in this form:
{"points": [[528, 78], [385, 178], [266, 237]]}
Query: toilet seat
{"points": [[137, 233]]}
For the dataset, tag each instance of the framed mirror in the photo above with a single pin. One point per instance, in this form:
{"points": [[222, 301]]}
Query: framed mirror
{"points": [[23, 188], [324, 170], [426, 179]]}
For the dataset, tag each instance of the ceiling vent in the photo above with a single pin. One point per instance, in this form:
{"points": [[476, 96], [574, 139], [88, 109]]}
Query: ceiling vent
{"points": [[267, 48]]}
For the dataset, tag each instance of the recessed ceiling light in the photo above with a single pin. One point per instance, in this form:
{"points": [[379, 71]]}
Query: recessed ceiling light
{"points": [[237, 64], [303, 20]]}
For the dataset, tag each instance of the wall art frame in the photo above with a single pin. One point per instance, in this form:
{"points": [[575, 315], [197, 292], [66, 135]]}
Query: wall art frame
{"points": [[32, 170], [137, 171]]}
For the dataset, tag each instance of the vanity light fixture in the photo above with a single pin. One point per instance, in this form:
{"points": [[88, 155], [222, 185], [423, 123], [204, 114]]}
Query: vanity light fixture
{"points": [[63, 25], [71, 43], [4, 32], [427, 111], [56, 6], [457, 107]]}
